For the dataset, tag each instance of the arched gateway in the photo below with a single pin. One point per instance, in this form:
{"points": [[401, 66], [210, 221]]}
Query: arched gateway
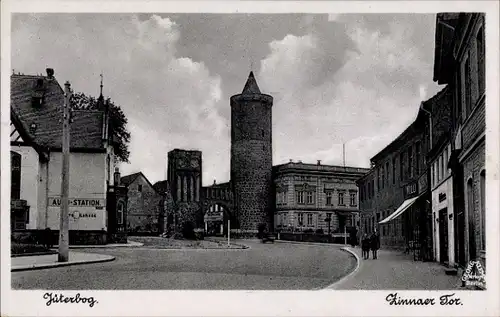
{"points": [[218, 209]]}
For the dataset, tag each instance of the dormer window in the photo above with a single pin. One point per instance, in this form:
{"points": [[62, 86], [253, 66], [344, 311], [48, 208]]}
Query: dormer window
{"points": [[38, 95]]}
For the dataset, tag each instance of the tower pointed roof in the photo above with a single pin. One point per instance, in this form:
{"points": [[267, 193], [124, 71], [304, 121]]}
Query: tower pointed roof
{"points": [[251, 86]]}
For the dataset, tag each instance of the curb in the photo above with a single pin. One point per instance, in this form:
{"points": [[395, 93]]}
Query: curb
{"points": [[104, 246], [356, 269], [54, 265], [310, 243], [32, 254]]}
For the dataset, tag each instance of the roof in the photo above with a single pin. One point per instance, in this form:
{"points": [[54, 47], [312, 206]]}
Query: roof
{"points": [[251, 86], [21, 129], [85, 129], [161, 186], [319, 168], [129, 179], [413, 127]]}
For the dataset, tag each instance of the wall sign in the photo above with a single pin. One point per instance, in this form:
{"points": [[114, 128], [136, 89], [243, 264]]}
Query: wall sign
{"points": [[442, 197], [78, 202]]}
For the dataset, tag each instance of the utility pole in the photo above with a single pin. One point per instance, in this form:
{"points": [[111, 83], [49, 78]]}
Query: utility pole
{"points": [[63, 255], [343, 153]]}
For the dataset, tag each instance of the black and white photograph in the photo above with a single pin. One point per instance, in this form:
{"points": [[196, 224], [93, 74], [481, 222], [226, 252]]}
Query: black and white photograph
{"points": [[226, 148]]}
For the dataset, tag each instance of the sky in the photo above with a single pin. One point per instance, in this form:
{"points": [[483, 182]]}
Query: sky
{"points": [[356, 79]]}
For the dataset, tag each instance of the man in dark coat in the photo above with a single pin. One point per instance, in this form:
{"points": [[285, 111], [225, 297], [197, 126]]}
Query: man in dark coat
{"points": [[375, 244], [365, 246]]}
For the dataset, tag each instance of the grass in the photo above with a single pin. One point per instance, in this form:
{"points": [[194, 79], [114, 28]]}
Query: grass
{"points": [[168, 243]]}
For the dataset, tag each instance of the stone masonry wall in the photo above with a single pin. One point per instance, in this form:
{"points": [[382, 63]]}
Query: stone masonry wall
{"points": [[251, 162], [143, 206]]}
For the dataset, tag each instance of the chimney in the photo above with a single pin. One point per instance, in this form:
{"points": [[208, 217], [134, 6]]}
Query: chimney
{"points": [[50, 73], [117, 177], [291, 161], [319, 162], [215, 182]]}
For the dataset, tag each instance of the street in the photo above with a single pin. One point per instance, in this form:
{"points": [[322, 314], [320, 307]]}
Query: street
{"points": [[278, 266]]}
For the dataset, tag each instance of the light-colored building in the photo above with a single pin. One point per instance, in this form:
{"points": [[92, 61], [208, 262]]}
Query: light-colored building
{"points": [[36, 138], [442, 203], [309, 194]]}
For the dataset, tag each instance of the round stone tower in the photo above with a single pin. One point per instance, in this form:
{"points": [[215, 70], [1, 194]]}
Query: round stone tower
{"points": [[251, 157]]}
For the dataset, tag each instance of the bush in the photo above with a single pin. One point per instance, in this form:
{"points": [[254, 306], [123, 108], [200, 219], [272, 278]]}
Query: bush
{"points": [[23, 248], [199, 236], [319, 231], [188, 230], [309, 230]]}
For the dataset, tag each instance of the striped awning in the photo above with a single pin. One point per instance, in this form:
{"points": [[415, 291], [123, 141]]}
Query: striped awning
{"points": [[404, 206]]}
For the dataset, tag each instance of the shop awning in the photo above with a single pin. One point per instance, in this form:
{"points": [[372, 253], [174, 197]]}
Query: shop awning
{"points": [[404, 206]]}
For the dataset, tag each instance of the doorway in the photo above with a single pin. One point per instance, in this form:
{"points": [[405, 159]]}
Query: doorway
{"points": [[443, 235]]}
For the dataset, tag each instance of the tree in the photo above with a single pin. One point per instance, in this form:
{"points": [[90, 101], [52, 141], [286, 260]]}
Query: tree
{"points": [[117, 120]]}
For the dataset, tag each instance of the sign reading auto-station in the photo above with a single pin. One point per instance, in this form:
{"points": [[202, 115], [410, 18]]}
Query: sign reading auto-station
{"points": [[84, 213]]}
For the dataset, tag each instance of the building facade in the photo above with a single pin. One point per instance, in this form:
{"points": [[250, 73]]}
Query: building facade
{"points": [[251, 157], [144, 204], [185, 180], [36, 134], [315, 197], [394, 194], [460, 63]]}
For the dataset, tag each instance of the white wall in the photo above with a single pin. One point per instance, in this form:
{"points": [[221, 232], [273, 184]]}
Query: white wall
{"points": [[444, 188], [29, 180], [87, 181]]}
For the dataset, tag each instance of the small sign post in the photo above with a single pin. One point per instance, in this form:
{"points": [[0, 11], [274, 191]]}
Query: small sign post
{"points": [[228, 232]]}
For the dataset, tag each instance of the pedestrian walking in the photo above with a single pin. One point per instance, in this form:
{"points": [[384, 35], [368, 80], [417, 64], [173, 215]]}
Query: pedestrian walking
{"points": [[365, 246], [375, 244]]}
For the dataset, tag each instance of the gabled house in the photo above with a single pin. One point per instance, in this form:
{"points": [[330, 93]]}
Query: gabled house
{"points": [[36, 156], [144, 204]]}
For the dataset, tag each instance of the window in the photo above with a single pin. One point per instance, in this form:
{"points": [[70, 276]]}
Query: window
{"points": [[368, 190], [309, 219], [300, 197], [15, 175], [394, 170], [480, 61], [382, 177], [432, 175], [387, 172], [417, 157], [401, 165], [139, 188], [373, 187], [470, 211], [341, 199], [468, 87], [300, 218], [119, 214], [353, 199], [310, 198], [328, 198], [438, 172], [378, 179], [441, 158], [410, 161], [483, 209]]}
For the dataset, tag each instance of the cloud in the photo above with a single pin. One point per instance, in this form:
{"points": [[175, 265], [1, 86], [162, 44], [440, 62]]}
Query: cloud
{"points": [[379, 84], [348, 78], [164, 95]]}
